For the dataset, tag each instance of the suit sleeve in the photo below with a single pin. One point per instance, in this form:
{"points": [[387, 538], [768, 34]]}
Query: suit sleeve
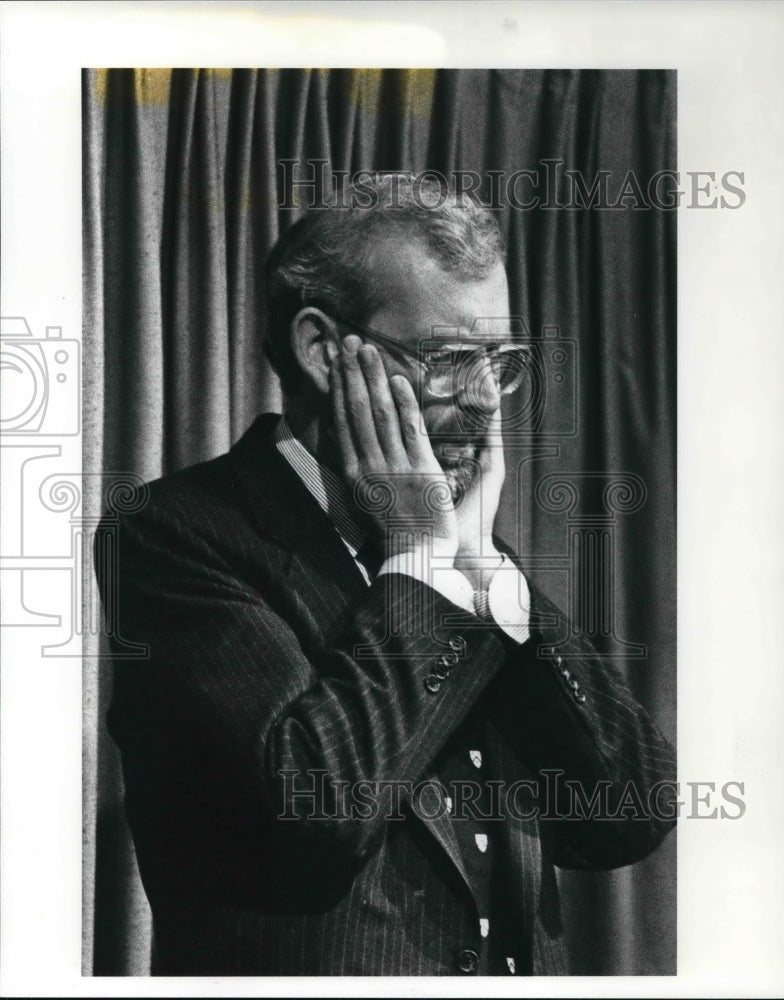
{"points": [[376, 703], [605, 774]]}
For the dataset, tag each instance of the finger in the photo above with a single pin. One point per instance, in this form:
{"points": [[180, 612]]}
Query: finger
{"points": [[491, 458], [342, 431], [415, 440], [358, 408], [382, 404]]}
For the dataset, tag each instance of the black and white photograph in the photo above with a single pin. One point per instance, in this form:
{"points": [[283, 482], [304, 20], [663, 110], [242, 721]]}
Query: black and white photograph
{"points": [[390, 613]]}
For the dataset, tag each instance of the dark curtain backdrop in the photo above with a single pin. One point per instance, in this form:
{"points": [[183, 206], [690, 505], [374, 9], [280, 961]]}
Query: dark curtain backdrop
{"points": [[181, 196]]}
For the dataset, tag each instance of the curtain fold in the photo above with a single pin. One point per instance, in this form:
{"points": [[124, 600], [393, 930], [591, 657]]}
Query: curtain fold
{"points": [[182, 200]]}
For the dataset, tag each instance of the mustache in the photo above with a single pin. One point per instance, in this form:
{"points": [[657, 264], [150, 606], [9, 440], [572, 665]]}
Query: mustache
{"points": [[460, 435], [469, 427]]}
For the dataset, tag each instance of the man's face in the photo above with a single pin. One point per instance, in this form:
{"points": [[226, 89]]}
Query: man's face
{"points": [[426, 303]]}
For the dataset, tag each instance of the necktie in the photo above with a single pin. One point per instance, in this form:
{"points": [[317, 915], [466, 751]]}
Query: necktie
{"points": [[482, 605]]}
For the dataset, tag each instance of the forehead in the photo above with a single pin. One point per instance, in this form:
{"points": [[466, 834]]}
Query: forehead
{"points": [[423, 300]]}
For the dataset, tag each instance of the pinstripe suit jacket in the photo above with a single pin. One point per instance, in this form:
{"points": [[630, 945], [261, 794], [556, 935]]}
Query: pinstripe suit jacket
{"points": [[256, 619]]}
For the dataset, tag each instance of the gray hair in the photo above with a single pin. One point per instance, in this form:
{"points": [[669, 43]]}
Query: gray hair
{"points": [[324, 258]]}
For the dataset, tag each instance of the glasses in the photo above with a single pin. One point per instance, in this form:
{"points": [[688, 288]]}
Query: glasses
{"points": [[447, 368]]}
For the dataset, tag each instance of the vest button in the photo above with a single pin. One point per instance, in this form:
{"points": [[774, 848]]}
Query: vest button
{"points": [[433, 684], [467, 961]]}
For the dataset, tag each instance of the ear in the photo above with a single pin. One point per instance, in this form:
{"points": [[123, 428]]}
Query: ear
{"points": [[314, 343]]}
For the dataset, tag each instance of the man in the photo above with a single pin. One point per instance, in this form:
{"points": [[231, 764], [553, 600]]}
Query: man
{"points": [[348, 751]]}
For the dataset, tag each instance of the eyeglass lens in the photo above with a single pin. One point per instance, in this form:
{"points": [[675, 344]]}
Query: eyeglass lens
{"points": [[448, 371]]}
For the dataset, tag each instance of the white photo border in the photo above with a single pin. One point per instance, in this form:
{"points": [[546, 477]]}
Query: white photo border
{"points": [[730, 408]]}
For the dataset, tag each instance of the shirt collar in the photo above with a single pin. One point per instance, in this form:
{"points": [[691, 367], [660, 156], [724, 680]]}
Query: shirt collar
{"points": [[329, 492]]}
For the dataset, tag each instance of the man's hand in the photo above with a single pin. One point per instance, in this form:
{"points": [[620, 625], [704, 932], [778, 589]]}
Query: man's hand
{"points": [[380, 437], [477, 557]]}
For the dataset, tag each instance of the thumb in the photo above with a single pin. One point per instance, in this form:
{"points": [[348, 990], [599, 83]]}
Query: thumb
{"points": [[491, 457]]}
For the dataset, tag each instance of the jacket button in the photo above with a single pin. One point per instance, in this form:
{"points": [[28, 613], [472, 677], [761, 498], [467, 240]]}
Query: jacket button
{"points": [[467, 961], [433, 684]]}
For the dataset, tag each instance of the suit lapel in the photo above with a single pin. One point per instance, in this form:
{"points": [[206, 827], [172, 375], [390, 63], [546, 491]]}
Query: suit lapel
{"points": [[441, 827], [285, 511]]}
